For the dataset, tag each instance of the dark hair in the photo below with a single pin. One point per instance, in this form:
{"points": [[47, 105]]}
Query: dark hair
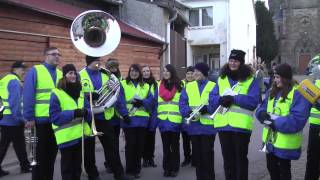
{"points": [[48, 49], [174, 80], [287, 86], [151, 80], [137, 68], [243, 73], [113, 60]]}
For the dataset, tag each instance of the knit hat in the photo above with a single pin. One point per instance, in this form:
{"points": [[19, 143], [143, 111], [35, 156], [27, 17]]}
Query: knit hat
{"points": [[190, 68], [284, 70], [237, 55], [90, 59], [67, 68], [112, 63], [203, 68], [18, 64]]}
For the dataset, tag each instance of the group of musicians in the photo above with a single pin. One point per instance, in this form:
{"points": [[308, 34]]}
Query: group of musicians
{"points": [[58, 104]]}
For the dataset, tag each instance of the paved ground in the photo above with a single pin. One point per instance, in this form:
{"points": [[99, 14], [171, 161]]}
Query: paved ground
{"points": [[257, 165]]}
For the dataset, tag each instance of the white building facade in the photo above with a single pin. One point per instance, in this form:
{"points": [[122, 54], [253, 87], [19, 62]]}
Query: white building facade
{"points": [[218, 26]]}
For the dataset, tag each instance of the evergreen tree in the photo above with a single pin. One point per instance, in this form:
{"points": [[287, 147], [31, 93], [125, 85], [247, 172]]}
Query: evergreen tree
{"points": [[267, 45]]}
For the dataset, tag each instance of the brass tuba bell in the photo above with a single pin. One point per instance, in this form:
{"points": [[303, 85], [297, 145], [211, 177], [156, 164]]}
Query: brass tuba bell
{"points": [[95, 33]]}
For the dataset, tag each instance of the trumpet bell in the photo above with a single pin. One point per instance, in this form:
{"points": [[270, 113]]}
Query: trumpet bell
{"points": [[95, 33]]}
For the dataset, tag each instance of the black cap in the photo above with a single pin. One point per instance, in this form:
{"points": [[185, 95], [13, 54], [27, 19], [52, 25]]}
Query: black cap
{"points": [[112, 63], [67, 68], [203, 68], [18, 64], [190, 68], [284, 70], [237, 55], [90, 59]]}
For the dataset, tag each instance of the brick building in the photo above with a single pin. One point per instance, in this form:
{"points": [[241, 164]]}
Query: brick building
{"points": [[28, 26]]}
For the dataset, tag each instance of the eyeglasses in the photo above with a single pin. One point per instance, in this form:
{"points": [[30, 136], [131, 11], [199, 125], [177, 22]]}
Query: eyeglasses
{"points": [[55, 54]]}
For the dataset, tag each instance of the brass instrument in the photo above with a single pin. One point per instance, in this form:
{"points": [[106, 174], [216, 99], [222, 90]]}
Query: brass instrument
{"points": [[1, 106], [31, 140], [222, 110], [194, 116], [96, 33]]}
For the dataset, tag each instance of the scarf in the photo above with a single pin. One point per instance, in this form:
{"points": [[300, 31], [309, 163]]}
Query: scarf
{"points": [[165, 94]]}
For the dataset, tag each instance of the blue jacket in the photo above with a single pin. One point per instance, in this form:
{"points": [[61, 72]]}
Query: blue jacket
{"points": [[136, 121], [14, 100], [164, 126], [194, 128], [30, 82], [292, 123], [249, 101], [59, 117]]}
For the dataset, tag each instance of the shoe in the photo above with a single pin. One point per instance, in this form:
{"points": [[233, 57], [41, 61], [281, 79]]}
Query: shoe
{"points": [[151, 163], [124, 177], [137, 176], [145, 163], [3, 173], [166, 174], [173, 173], [186, 162]]}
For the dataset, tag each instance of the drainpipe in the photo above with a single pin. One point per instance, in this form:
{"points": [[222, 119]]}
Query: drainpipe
{"points": [[174, 17]]}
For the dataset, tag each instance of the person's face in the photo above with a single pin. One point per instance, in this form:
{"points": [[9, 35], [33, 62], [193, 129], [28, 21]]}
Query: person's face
{"points": [[146, 72], [189, 76], [198, 75], [71, 76], [95, 65], [53, 57], [20, 72], [166, 74], [233, 64], [113, 69], [134, 74], [278, 81]]}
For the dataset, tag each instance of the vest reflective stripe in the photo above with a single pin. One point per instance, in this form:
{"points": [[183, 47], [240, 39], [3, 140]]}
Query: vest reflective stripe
{"points": [[84, 76], [4, 93], [44, 87], [282, 140], [169, 110], [130, 91], [72, 130], [314, 113], [236, 116], [195, 99]]}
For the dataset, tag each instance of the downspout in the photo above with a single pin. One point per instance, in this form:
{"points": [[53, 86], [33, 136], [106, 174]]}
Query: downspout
{"points": [[173, 18]]}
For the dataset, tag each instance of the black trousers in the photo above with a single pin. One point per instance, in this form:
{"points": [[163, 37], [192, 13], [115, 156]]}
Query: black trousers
{"points": [[14, 134], [110, 144], [149, 146], [279, 169], [313, 156], [117, 136], [135, 138], [46, 152], [204, 151], [90, 158], [71, 162], [171, 151], [186, 142], [234, 147]]}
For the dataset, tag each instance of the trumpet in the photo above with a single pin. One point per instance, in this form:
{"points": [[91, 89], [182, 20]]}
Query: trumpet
{"points": [[31, 140], [195, 114]]}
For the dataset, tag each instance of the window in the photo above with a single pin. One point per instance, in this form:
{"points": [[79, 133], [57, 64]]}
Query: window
{"points": [[201, 17]]}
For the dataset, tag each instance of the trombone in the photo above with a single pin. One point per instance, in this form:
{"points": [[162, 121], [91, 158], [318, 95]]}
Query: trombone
{"points": [[32, 140]]}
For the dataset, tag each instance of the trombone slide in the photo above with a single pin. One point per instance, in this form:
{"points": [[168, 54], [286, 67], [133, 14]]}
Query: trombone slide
{"points": [[268, 140]]}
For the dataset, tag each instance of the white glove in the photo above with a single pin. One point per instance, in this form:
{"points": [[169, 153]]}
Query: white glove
{"points": [[98, 109], [229, 92]]}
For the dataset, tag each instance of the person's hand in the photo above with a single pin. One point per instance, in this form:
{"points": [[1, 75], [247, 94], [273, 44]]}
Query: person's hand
{"points": [[269, 123], [127, 119], [204, 110], [30, 124], [137, 103], [264, 116], [80, 113], [226, 101]]}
